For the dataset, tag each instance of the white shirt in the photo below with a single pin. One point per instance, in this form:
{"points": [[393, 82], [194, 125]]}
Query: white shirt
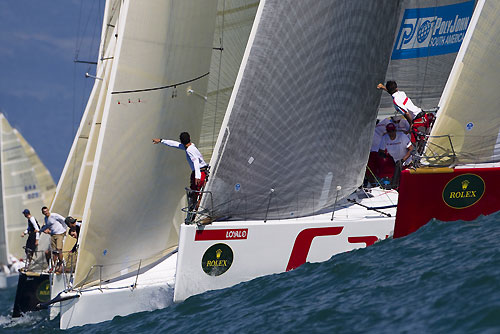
{"points": [[193, 156], [377, 135], [402, 125], [403, 104], [32, 221], [55, 223], [398, 147]]}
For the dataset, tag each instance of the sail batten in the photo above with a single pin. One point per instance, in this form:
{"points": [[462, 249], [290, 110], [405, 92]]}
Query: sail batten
{"points": [[296, 117]]}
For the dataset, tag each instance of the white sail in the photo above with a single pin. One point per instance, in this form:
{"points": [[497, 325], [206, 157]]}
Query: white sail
{"points": [[70, 175], [26, 184], [87, 163], [429, 35], [234, 22], [468, 108], [132, 209]]}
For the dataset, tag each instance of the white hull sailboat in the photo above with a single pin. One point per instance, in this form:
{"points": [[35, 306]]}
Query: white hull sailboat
{"points": [[289, 158], [25, 184]]}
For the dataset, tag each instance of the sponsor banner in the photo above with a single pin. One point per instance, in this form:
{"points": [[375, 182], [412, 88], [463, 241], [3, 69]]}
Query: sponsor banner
{"points": [[462, 194], [225, 234], [217, 259], [432, 31], [463, 191]]}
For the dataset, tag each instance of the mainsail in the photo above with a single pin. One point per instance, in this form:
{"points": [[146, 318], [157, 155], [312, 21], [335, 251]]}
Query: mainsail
{"points": [[429, 36], [26, 184], [132, 210], [467, 129], [303, 109]]}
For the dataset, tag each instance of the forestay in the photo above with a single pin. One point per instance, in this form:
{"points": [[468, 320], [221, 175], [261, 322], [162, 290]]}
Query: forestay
{"points": [[428, 38], [469, 107], [132, 210], [302, 113]]}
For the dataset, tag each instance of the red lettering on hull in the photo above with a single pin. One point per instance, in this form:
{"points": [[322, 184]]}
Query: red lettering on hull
{"points": [[303, 243]]}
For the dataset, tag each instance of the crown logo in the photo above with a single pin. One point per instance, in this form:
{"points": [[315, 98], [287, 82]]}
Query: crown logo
{"points": [[218, 253], [465, 184]]}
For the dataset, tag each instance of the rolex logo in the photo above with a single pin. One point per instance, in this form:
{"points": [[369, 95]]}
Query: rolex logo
{"points": [[217, 259], [463, 191]]}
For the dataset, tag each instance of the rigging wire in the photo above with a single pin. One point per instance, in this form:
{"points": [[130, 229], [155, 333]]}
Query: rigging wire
{"points": [[421, 96], [221, 43]]}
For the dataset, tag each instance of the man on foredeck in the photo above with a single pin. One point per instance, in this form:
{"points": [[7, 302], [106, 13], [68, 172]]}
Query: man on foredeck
{"points": [[196, 163], [56, 226]]}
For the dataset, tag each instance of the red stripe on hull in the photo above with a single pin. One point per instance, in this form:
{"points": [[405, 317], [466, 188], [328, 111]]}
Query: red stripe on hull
{"points": [[422, 197], [303, 244], [368, 240]]}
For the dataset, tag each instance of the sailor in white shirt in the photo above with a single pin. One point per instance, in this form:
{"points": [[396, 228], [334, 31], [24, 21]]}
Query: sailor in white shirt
{"points": [[398, 145], [196, 162], [56, 226], [402, 103]]}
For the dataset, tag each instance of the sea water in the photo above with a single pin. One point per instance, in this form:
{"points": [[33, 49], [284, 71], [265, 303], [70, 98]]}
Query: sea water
{"points": [[445, 278]]}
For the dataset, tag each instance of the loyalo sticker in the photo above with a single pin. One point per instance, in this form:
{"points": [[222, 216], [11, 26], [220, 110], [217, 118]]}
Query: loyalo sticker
{"points": [[432, 31], [217, 259], [463, 191], [222, 234]]}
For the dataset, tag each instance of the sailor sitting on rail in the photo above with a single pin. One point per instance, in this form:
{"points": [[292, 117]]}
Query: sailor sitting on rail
{"points": [[399, 147]]}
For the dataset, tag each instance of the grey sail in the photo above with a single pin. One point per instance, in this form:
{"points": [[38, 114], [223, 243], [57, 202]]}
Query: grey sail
{"points": [[428, 38], [302, 112]]}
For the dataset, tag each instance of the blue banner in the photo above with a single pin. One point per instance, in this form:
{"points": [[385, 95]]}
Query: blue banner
{"points": [[432, 31]]}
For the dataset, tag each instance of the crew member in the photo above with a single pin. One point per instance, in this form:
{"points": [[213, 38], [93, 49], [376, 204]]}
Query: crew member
{"points": [[55, 225], [196, 163], [33, 232], [402, 103], [399, 147]]}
